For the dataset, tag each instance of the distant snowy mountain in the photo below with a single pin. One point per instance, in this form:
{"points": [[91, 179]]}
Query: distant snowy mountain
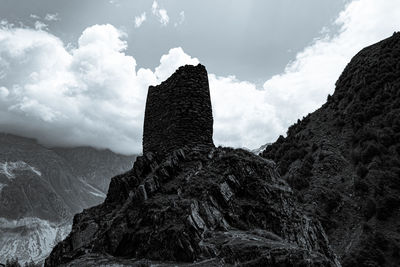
{"points": [[42, 188], [30, 238], [259, 150]]}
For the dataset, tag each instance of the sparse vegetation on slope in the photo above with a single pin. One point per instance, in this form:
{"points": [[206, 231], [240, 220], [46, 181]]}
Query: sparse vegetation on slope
{"points": [[343, 160]]}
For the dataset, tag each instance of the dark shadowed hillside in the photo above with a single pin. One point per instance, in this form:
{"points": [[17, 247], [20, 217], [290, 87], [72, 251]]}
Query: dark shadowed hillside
{"points": [[343, 160]]}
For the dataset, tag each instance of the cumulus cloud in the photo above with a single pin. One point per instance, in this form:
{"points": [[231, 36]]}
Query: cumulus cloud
{"points": [[249, 116], [140, 19], [94, 94], [171, 61], [90, 95], [242, 117], [33, 16], [40, 25], [306, 82], [160, 13], [52, 17]]}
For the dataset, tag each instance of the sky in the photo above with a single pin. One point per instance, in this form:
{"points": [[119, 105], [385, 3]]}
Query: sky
{"points": [[76, 73]]}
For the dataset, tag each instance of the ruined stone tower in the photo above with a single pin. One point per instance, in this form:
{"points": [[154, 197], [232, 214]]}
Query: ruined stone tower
{"points": [[178, 112]]}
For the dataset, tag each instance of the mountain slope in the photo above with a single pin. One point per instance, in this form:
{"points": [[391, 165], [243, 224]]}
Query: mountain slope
{"points": [[343, 160], [42, 188], [95, 167], [29, 238]]}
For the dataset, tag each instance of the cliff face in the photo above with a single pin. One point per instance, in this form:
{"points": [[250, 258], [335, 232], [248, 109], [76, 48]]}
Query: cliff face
{"points": [[196, 205], [178, 112], [343, 160]]}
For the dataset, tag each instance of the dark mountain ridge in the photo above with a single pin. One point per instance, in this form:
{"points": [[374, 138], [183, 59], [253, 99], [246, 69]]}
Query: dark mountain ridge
{"points": [[343, 160]]}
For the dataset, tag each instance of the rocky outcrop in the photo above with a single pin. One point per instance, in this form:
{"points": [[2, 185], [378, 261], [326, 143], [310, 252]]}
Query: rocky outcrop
{"points": [[196, 206], [178, 112], [343, 160]]}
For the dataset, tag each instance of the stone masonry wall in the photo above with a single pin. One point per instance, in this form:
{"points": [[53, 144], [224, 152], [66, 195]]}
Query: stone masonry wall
{"points": [[178, 112]]}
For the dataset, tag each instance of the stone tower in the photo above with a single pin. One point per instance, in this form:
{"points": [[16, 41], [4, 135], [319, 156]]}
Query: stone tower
{"points": [[178, 112]]}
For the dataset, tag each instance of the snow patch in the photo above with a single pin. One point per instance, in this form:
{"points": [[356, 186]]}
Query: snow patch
{"points": [[102, 195], [9, 168], [30, 238], [96, 192], [261, 149]]}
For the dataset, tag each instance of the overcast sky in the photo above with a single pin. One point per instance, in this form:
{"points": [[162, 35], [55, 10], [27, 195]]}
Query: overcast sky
{"points": [[77, 72]]}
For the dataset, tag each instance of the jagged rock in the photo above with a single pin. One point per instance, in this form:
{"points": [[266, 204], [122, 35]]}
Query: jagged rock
{"points": [[195, 204], [343, 160], [233, 207]]}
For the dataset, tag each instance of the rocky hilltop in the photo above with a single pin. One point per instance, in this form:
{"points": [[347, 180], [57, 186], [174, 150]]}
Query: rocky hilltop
{"points": [[186, 202], [343, 160]]}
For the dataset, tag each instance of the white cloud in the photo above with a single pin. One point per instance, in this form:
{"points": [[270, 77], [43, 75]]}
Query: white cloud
{"points": [[40, 26], [140, 19], [170, 62], [103, 37], [246, 116], [95, 95], [160, 13], [115, 3], [3, 92], [181, 19], [52, 17], [90, 95], [306, 82], [163, 16], [242, 118], [5, 25], [33, 16], [154, 7]]}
